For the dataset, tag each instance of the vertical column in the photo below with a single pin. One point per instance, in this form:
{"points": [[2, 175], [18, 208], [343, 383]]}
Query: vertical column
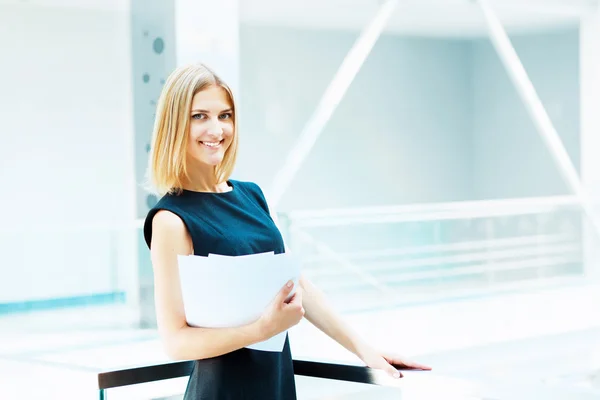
{"points": [[153, 57], [167, 34], [589, 64]]}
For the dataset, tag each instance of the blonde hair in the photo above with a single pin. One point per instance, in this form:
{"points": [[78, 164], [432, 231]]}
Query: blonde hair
{"points": [[167, 162]]}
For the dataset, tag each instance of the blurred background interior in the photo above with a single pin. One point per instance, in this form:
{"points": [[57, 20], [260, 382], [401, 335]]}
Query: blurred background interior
{"points": [[435, 206]]}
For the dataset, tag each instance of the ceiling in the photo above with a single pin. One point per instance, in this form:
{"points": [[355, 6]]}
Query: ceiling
{"points": [[419, 17]]}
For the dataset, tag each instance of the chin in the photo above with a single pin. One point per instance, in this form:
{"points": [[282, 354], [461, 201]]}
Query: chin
{"points": [[213, 161]]}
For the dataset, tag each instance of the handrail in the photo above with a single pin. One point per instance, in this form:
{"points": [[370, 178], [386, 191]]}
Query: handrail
{"points": [[514, 242], [472, 258], [429, 211], [152, 373]]}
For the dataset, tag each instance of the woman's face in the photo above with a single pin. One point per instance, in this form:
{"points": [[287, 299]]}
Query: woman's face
{"points": [[211, 126]]}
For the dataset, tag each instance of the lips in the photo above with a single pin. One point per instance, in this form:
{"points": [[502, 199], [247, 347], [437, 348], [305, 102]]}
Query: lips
{"points": [[212, 145]]}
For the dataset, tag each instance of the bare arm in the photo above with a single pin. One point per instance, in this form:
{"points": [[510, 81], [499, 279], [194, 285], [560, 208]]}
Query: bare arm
{"points": [[182, 342], [321, 315]]}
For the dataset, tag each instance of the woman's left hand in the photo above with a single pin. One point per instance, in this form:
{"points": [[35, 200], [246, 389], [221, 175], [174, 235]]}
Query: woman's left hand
{"points": [[388, 362]]}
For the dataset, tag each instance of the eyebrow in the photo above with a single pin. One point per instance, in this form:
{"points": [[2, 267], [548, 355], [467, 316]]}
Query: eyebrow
{"points": [[208, 112]]}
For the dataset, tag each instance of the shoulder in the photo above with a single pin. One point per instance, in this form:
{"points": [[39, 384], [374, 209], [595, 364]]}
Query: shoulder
{"points": [[169, 234], [167, 220], [255, 191], [247, 185], [251, 188], [163, 217], [167, 230]]}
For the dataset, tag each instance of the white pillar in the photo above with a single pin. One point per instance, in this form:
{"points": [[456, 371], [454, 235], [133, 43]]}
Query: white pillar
{"points": [[589, 64], [152, 57], [167, 34]]}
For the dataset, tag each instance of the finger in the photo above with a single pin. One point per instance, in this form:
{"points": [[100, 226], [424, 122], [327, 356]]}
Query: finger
{"points": [[289, 299], [296, 298], [393, 360], [394, 373], [414, 365], [294, 303], [419, 366], [384, 366], [284, 292]]}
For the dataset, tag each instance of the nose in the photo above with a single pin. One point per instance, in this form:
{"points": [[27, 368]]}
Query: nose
{"points": [[214, 128]]}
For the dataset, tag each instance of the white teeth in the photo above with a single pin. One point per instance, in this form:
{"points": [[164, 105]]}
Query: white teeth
{"points": [[211, 144]]}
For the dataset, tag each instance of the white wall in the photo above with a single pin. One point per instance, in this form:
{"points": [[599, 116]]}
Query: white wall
{"points": [[510, 158], [65, 107], [400, 135], [426, 120]]}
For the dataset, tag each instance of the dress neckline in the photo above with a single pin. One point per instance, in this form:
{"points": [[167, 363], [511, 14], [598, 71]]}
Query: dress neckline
{"points": [[194, 192]]}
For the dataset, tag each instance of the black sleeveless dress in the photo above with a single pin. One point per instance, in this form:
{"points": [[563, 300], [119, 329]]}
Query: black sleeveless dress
{"points": [[233, 223]]}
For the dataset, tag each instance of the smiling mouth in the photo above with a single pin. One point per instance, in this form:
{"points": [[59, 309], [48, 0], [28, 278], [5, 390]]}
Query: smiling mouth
{"points": [[213, 145]]}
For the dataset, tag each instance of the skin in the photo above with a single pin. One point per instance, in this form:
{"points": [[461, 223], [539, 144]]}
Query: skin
{"points": [[211, 121]]}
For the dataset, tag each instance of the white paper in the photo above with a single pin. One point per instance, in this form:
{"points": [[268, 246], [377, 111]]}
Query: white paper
{"points": [[223, 291]]}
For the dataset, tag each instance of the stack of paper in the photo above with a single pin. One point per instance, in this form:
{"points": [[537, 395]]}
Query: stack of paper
{"points": [[223, 292]]}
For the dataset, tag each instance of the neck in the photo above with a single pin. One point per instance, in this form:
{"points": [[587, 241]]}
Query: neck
{"points": [[203, 179]]}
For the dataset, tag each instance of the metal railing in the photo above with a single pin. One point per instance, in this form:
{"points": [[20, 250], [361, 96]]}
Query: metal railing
{"points": [[429, 211], [464, 248], [111, 379], [391, 263]]}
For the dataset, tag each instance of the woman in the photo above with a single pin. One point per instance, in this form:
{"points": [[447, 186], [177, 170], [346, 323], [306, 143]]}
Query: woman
{"points": [[202, 211]]}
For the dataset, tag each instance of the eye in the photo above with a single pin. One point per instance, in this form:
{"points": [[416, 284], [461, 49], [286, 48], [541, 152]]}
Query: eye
{"points": [[199, 116], [225, 116]]}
